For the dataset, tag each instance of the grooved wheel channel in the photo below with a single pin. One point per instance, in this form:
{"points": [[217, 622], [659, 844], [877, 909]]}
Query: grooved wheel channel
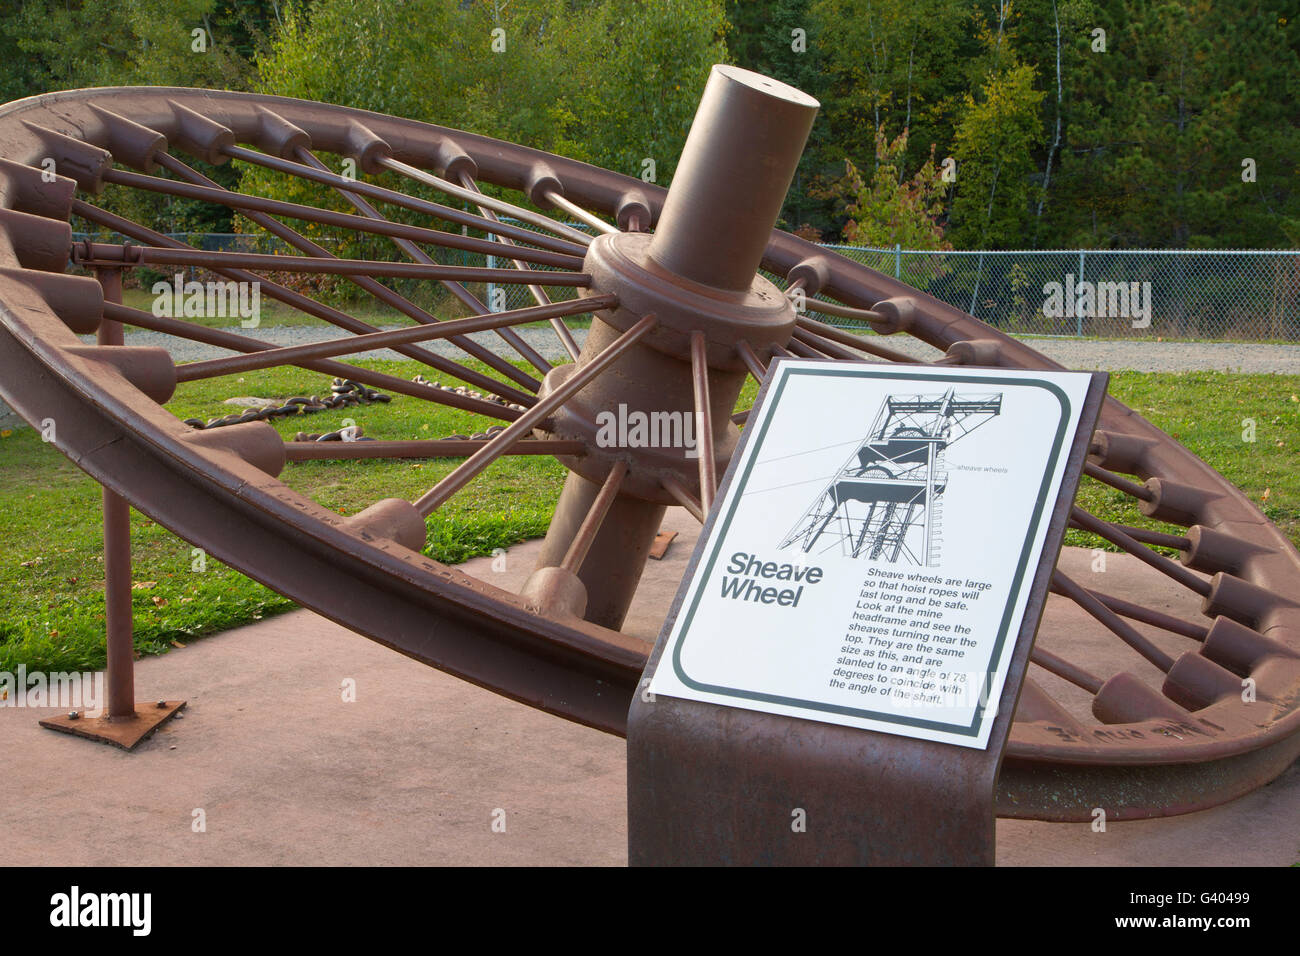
{"points": [[1169, 734]]}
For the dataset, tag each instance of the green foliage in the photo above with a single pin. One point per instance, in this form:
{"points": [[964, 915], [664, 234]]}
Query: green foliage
{"points": [[1163, 120], [995, 136], [69, 43], [631, 75], [611, 82], [1061, 142], [889, 211]]}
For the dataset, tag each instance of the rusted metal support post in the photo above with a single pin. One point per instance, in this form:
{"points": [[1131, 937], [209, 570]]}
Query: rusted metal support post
{"points": [[118, 626], [123, 723]]}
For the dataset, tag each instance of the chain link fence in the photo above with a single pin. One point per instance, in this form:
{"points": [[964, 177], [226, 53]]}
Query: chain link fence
{"points": [[1251, 295], [1241, 295]]}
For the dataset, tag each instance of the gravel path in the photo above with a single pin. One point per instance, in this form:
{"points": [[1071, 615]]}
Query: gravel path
{"points": [[1072, 353]]}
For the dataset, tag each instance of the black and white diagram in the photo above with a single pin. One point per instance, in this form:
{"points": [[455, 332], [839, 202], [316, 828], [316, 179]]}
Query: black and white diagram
{"points": [[885, 503]]}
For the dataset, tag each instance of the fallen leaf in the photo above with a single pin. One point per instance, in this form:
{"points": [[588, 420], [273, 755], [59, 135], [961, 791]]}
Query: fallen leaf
{"points": [[1264, 496], [142, 585], [33, 562], [177, 644], [159, 601]]}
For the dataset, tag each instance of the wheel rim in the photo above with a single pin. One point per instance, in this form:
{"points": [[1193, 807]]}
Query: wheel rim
{"points": [[1179, 744]]}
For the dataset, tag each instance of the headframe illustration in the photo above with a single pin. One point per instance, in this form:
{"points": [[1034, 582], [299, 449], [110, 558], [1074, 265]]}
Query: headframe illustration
{"points": [[886, 502]]}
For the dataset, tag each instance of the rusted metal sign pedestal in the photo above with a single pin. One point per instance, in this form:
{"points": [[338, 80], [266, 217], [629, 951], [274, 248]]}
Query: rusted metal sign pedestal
{"points": [[710, 784]]}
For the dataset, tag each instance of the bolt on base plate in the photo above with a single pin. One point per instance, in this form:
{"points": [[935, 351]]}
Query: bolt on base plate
{"points": [[124, 732]]}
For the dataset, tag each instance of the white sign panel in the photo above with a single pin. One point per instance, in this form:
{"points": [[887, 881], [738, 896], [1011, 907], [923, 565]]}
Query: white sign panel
{"points": [[871, 560]]}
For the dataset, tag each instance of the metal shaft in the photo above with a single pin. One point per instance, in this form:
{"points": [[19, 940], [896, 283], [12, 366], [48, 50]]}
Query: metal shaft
{"points": [[735, 170], [740, 156]]}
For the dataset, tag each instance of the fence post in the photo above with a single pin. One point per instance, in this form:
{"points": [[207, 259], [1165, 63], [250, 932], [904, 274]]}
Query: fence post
{"points": [[491, 263], [898, 261], [979, 272], [1078, 319]]}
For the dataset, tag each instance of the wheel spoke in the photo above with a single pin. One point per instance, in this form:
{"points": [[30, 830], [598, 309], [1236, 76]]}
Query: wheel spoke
{"points": [[1146, 615], [383, 294], [684, 498], [752, 361], [419, 255], [1158, 538], [803, 350], [239, 343], [586, 534], [322, 174], [422, 448], [1104, 529], [703, 421], [538, 293], [438, 494], [1117, 482], [321, 311], [326, 217], [843, 311], [578, 213], [1062, 584], [289, 355], [498, 205], [112, 254], [1064, 669], [854, 341], [825, 346]]}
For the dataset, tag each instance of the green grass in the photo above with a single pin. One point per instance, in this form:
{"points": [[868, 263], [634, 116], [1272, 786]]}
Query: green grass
{"points": [[52, 609], [1206, 411], [51, 568]]}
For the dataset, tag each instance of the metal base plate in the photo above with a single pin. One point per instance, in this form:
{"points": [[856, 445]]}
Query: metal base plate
{"points": [[124, 732], [660, 547]]}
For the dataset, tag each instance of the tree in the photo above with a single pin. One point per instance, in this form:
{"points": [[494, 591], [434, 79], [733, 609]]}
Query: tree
{"points": [[610, 82], [1164, 120], [632, 77], [888, 210], [65, 44], [994, 142], [71, 43]]}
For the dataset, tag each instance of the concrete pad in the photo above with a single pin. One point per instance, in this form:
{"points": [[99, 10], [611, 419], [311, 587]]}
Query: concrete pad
{"points": [[418, 768]]}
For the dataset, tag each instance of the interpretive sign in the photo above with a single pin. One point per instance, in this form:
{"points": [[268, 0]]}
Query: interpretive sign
{"points": [[871, 558]]}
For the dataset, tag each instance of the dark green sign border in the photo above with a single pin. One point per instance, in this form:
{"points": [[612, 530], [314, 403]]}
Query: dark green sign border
{"points": [[1021, 567]]}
